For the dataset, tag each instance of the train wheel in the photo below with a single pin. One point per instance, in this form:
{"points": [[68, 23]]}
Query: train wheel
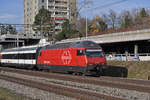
{"points": [[124, 73], [77, 73], [70, 72], [35, 68], [80, 74]]}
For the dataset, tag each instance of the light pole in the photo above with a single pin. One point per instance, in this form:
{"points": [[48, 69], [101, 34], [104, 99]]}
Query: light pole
{"points": [[86, 28]]}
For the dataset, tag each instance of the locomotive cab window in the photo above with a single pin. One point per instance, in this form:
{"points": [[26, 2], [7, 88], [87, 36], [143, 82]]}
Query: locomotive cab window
{"points": [[94, 53]]}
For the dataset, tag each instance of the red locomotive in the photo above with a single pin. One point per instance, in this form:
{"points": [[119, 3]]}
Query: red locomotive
{"points": [[84, 57]]}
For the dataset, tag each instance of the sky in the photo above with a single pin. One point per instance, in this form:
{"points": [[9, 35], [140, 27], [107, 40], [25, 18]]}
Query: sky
{"points": [[11, 11]]}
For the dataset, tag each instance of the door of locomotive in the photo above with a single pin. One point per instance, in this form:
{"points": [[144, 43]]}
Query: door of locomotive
{"points": [[81, 57]]}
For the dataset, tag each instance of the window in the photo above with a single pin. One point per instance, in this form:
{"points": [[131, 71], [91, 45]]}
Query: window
{"points": [[94, 53], [42, 1], [43, 7], [80, 52]]}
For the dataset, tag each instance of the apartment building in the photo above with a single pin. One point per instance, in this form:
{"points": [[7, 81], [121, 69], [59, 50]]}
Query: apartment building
{"points": [[60, 11]]}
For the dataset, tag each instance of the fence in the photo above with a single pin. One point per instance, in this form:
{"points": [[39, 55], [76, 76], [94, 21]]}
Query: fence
{"points": [[129, 57]]}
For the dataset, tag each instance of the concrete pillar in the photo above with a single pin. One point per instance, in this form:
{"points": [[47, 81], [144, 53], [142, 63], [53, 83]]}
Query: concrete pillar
{"points": [[0, 47], [135, 50], [22, 43], [126, 53]]}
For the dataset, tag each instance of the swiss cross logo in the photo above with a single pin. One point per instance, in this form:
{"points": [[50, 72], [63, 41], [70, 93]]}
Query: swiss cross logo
{"points": [[66, 57]]}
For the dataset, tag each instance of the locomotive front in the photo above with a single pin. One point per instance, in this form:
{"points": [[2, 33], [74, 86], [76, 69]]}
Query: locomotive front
{"points": [[93, 57], [96, 60]]}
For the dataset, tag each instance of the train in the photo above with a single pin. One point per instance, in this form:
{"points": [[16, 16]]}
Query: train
{"points": [[82, 57]]}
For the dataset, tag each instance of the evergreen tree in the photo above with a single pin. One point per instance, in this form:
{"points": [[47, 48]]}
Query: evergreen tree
{"points": [[126, 21], [44, 23], [43, 17], [3, 30], [11, 29], [102, 26], [141, 17], [143, 13], [67, 31]]}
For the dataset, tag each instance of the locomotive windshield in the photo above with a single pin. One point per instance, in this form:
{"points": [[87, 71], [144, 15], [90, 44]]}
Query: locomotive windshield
{"points": [[94, 53], [86, 44]]}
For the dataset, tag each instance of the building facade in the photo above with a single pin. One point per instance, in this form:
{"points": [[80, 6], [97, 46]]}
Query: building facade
{"points": [[60, 11]]}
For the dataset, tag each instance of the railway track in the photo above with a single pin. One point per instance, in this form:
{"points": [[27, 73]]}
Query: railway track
{"points": [[129, 84], [61, 90]]}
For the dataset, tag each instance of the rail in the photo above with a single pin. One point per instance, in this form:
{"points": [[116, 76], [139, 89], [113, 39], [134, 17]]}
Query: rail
{"points": [[137, 85], [59, 89]]}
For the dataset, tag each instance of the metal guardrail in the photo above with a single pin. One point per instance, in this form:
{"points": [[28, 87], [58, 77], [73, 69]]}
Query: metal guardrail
{"points": [[140, 54], [129, 57], [22, 36]]}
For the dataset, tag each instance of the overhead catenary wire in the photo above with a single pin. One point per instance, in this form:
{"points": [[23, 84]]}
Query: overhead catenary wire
{"points": [[102, 6], [106, 5]]}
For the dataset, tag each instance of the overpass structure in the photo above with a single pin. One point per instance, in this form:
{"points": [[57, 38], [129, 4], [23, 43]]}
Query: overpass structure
{"points": [[16, 40], [116, 37], [133, 43]]}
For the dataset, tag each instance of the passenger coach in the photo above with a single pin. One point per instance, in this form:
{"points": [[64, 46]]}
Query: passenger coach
{"points": [[24, 57]]}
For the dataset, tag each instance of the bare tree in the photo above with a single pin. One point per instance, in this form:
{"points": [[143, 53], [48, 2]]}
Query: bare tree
{"points": [[134, 12], [80, 23], [113, 18], [84, 4], [105, 18], [81, 26]]}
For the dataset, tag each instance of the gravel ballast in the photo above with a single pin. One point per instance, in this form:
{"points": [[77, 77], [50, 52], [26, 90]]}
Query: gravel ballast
{"points": [[31, 92], [35, 93]]}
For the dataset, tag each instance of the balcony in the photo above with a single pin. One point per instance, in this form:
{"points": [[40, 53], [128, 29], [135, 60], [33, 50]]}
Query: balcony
{"points": [[62, 8], [58, 27], [59, 21], [60, 15], [51, 4], [61, 4]]}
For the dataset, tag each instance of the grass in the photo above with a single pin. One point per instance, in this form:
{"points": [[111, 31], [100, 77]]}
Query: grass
{"points": [[7, 95], [136, 69]]}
